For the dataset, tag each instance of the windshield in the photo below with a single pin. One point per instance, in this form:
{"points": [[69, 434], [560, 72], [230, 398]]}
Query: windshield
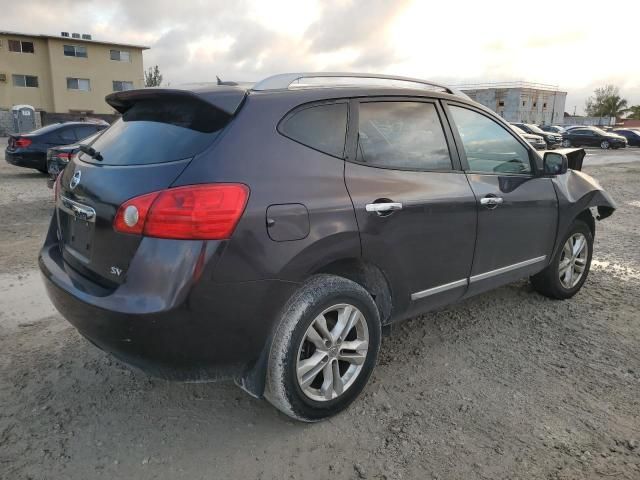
{"points": [[535, 128], [158, 131]]}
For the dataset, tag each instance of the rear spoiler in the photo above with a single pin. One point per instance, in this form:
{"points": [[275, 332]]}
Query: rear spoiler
{"points": [[574, 155], [223, 98]]}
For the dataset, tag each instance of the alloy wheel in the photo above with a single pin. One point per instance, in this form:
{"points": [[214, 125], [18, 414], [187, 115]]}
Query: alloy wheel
{"points": [[332, 352], [566, 143], [604, 145], [573, 260]]}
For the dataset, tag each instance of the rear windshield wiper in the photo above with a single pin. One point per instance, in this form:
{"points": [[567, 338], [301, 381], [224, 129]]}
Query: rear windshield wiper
{"points": [[92, 152]]}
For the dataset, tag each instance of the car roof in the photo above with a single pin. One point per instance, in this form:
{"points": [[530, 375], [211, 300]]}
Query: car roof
{"points": [[228, 96]]}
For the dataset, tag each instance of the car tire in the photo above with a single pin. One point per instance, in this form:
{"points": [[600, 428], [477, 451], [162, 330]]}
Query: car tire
{"points": [[561, 278], [320, 305], [604, 145], [566, 143]]}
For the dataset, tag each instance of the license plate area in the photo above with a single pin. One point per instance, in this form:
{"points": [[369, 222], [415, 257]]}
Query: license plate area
{"points": [[77, 226]]}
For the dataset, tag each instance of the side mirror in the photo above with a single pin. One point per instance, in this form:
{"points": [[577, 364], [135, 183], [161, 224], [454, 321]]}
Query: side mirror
{"points": [[555, 163]]}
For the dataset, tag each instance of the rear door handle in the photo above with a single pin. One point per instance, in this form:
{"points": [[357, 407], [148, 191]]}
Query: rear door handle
{"points": [[383, 208], [491, 202]]}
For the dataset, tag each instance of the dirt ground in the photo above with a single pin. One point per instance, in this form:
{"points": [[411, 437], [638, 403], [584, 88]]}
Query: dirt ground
{"points": [[507, 385]]}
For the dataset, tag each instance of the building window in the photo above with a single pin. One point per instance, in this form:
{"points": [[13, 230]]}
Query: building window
{"points": [[79, 84], [121, 86], [501, 103], [544, 105], [535, 104], [523, 103], [21, 46], [25, 81], [120, 55], [75, 51]]}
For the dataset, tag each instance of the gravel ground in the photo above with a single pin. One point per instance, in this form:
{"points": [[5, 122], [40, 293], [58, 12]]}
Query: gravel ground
{"points": [[503, 386]]}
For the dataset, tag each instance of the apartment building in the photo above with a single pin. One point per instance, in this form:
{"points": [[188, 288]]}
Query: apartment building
{"points": [[66, 74], [521, 101]]}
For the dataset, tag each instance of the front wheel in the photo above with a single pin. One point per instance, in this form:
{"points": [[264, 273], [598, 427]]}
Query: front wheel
{"points": [[604, 145], [566, 143], [324, 349], [568, 270]]}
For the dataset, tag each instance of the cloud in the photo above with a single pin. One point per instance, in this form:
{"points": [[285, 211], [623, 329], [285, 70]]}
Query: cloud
{"points": [[458, 41]]}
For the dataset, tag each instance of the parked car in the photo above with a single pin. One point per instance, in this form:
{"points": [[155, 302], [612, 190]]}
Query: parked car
{"points": [[58, 157], [270, 233], [593, 137], [553, 139], [535, 140], [30, 149], [632, 136], [552, 128]]}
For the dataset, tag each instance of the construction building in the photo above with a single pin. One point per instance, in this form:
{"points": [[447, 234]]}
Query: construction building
{"points": [[525, 102]]}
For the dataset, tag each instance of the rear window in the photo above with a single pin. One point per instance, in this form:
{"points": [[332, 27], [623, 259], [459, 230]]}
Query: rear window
{"points": [[47, 129], [158, 131], [321, 127]]}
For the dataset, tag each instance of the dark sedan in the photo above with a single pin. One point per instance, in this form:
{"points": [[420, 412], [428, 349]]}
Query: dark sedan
{"points": [[58, 157], [632, 136], [553, 139], [30, 149], [593, 137]]}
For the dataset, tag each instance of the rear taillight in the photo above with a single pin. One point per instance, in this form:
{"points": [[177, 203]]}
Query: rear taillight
{"points": [[65, 157], [22, 142], [204, 212]]}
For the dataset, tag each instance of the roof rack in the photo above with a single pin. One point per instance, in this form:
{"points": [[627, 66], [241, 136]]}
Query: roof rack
{"points": [[286, 80]]}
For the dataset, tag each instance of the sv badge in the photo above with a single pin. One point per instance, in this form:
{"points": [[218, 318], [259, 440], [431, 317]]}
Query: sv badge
{"points": [[116, 271]]}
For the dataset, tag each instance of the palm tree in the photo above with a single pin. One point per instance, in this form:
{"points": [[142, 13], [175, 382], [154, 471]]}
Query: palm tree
{"points": [[613, 106]]}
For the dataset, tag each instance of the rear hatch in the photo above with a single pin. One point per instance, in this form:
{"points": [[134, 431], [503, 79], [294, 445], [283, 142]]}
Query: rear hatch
{"points": [[144, 151]]}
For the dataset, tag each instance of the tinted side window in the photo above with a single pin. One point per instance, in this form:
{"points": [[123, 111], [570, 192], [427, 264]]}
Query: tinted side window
{"points": [[405, 135], [322, 127], [489, 147], [67, 135]]}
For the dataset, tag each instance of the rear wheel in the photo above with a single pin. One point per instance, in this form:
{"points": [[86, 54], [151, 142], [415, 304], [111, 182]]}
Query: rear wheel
{"points": [[324, 349], [568, 270]]}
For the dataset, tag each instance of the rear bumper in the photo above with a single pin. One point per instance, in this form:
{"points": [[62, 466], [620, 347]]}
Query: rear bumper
{"points": [[211, 331], [25, 159]]}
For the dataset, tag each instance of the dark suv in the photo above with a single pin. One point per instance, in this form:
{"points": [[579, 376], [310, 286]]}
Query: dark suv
{"points": [[269, 232], [553, 139]]}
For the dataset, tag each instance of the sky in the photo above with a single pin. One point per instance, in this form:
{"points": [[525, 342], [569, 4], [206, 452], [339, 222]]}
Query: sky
{"points": [[576, 44]]}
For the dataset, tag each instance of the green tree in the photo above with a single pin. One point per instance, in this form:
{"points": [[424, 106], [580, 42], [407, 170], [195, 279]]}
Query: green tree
{"points": [[606, 102], [153, 77], [634, 112]]}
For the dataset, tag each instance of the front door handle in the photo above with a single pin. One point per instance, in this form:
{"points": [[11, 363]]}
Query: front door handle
{"points": [[491, 202], [383, 208]]}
